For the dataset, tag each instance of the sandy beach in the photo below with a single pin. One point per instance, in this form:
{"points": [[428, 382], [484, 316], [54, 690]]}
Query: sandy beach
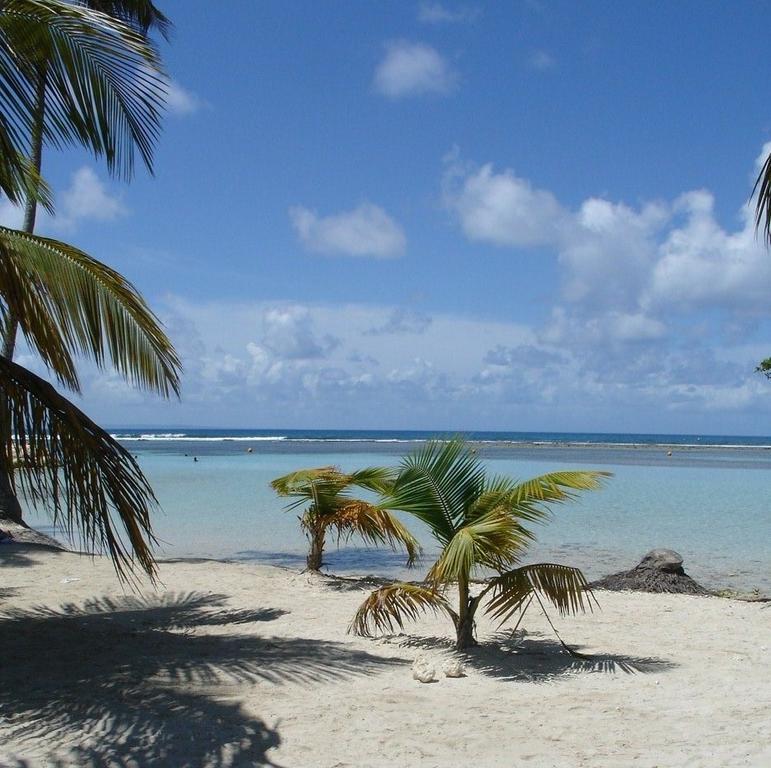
{"points": [[232, 664]]}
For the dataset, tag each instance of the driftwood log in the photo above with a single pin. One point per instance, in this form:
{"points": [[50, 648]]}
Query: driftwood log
{"points": [[661, 570]]}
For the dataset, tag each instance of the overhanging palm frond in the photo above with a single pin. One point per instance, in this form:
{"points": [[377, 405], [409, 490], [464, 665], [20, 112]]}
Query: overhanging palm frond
{"points": [[142, 15], [375, 526], [389, 607], [69, 304], [92, 483], [763, 203], [563, 586], [106, 88]]}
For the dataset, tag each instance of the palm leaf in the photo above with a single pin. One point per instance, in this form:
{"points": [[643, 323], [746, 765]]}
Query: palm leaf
{"points": [[105, 86], [565, 587], [375, 526], [763, 203], [437, 484], [69, 304], [388, 608], [494, 541], [527, 500], [141, 15], [75, 467]]}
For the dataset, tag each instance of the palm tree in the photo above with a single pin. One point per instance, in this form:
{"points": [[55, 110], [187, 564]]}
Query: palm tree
{"points": [[479, 522], [101, 87], [326, 491], [66, 304]]}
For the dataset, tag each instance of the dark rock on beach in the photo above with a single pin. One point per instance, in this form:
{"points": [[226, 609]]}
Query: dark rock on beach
{"points": [[11, 533], [661, 570]]}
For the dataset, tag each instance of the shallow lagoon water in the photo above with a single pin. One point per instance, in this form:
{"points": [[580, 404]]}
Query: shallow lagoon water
{"points": [[713, 505]]}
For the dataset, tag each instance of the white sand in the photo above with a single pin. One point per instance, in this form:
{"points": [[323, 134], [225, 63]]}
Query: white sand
{"points": [[266, 674]]}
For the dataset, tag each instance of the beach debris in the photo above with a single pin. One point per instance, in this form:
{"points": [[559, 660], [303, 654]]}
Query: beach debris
{"points": [[423, 670], [661, 570], [453, 668]]}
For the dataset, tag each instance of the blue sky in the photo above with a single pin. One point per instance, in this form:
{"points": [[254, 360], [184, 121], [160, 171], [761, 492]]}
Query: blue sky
{"points": [[525, 215]]}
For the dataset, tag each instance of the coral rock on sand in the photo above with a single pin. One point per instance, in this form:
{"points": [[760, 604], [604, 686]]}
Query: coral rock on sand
{"points": [[661, 570], [453, 668], [423, 670]]}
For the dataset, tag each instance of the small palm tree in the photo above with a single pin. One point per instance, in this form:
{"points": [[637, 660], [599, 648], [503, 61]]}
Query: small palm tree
{"points": [[479, 521], [326, 491]]}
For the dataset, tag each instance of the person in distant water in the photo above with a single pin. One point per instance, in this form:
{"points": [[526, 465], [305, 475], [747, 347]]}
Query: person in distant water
{"points": [[195, 458], [248, 450]]}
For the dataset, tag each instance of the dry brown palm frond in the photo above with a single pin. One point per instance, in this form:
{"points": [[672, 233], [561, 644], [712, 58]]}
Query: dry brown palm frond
{"points": [[563, 586], [375, 526], [387, 608]]}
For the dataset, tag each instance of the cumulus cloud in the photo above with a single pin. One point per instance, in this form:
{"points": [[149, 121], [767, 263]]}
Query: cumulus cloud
{"points": [[502, 208], [542, 61], [180, 101], [401, 320], [413, 69], [86, 198], [364, 231], [437, 13], [621, 265]]}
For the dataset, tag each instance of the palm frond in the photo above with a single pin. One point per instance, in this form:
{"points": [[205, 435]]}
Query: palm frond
{"points": [[69, 304], [375, 526], [105, 84], [141, 15], [494, 541], [527, 499], [388, 608], [565, 587], [763, 204], [437, 484], [70, 464]]}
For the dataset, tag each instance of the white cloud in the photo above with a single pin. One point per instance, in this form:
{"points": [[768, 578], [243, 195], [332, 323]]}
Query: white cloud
{"points": [[11, 216], [180, 101], [437, 13], [413, 69], [364, 231], [87, 198], [542, 61], [503, 209]]}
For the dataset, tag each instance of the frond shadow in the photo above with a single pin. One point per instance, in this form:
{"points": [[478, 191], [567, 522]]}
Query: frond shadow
{"points": [[13, 555], [534, 658], [132, 681]]}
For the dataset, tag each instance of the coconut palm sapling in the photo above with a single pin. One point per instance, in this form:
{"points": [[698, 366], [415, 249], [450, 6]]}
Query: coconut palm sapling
{"points": [[480, 525], [326, 494]]}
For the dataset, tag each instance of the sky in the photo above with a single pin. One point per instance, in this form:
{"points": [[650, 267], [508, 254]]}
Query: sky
{"points": [[528, 215]]}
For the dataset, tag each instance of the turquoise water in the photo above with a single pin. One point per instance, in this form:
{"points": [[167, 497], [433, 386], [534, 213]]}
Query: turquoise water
{"points": [[712, 504]]}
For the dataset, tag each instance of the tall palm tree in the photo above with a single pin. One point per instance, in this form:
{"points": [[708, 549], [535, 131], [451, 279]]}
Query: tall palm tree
{"points": [[109, 104], [98, 70], [326, 492], [479, 522]]}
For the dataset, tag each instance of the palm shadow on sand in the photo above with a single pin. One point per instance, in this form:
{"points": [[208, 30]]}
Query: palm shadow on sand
{"points": [[535, 658], [131, 681]]}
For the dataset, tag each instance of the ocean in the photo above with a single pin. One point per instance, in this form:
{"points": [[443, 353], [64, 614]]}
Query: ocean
{"points": [[708, 497]]}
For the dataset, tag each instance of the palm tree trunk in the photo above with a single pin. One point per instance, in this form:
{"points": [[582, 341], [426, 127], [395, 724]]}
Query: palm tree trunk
{"points": [[316, 534], [464, 627], [9, 502], [30, 207]]}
